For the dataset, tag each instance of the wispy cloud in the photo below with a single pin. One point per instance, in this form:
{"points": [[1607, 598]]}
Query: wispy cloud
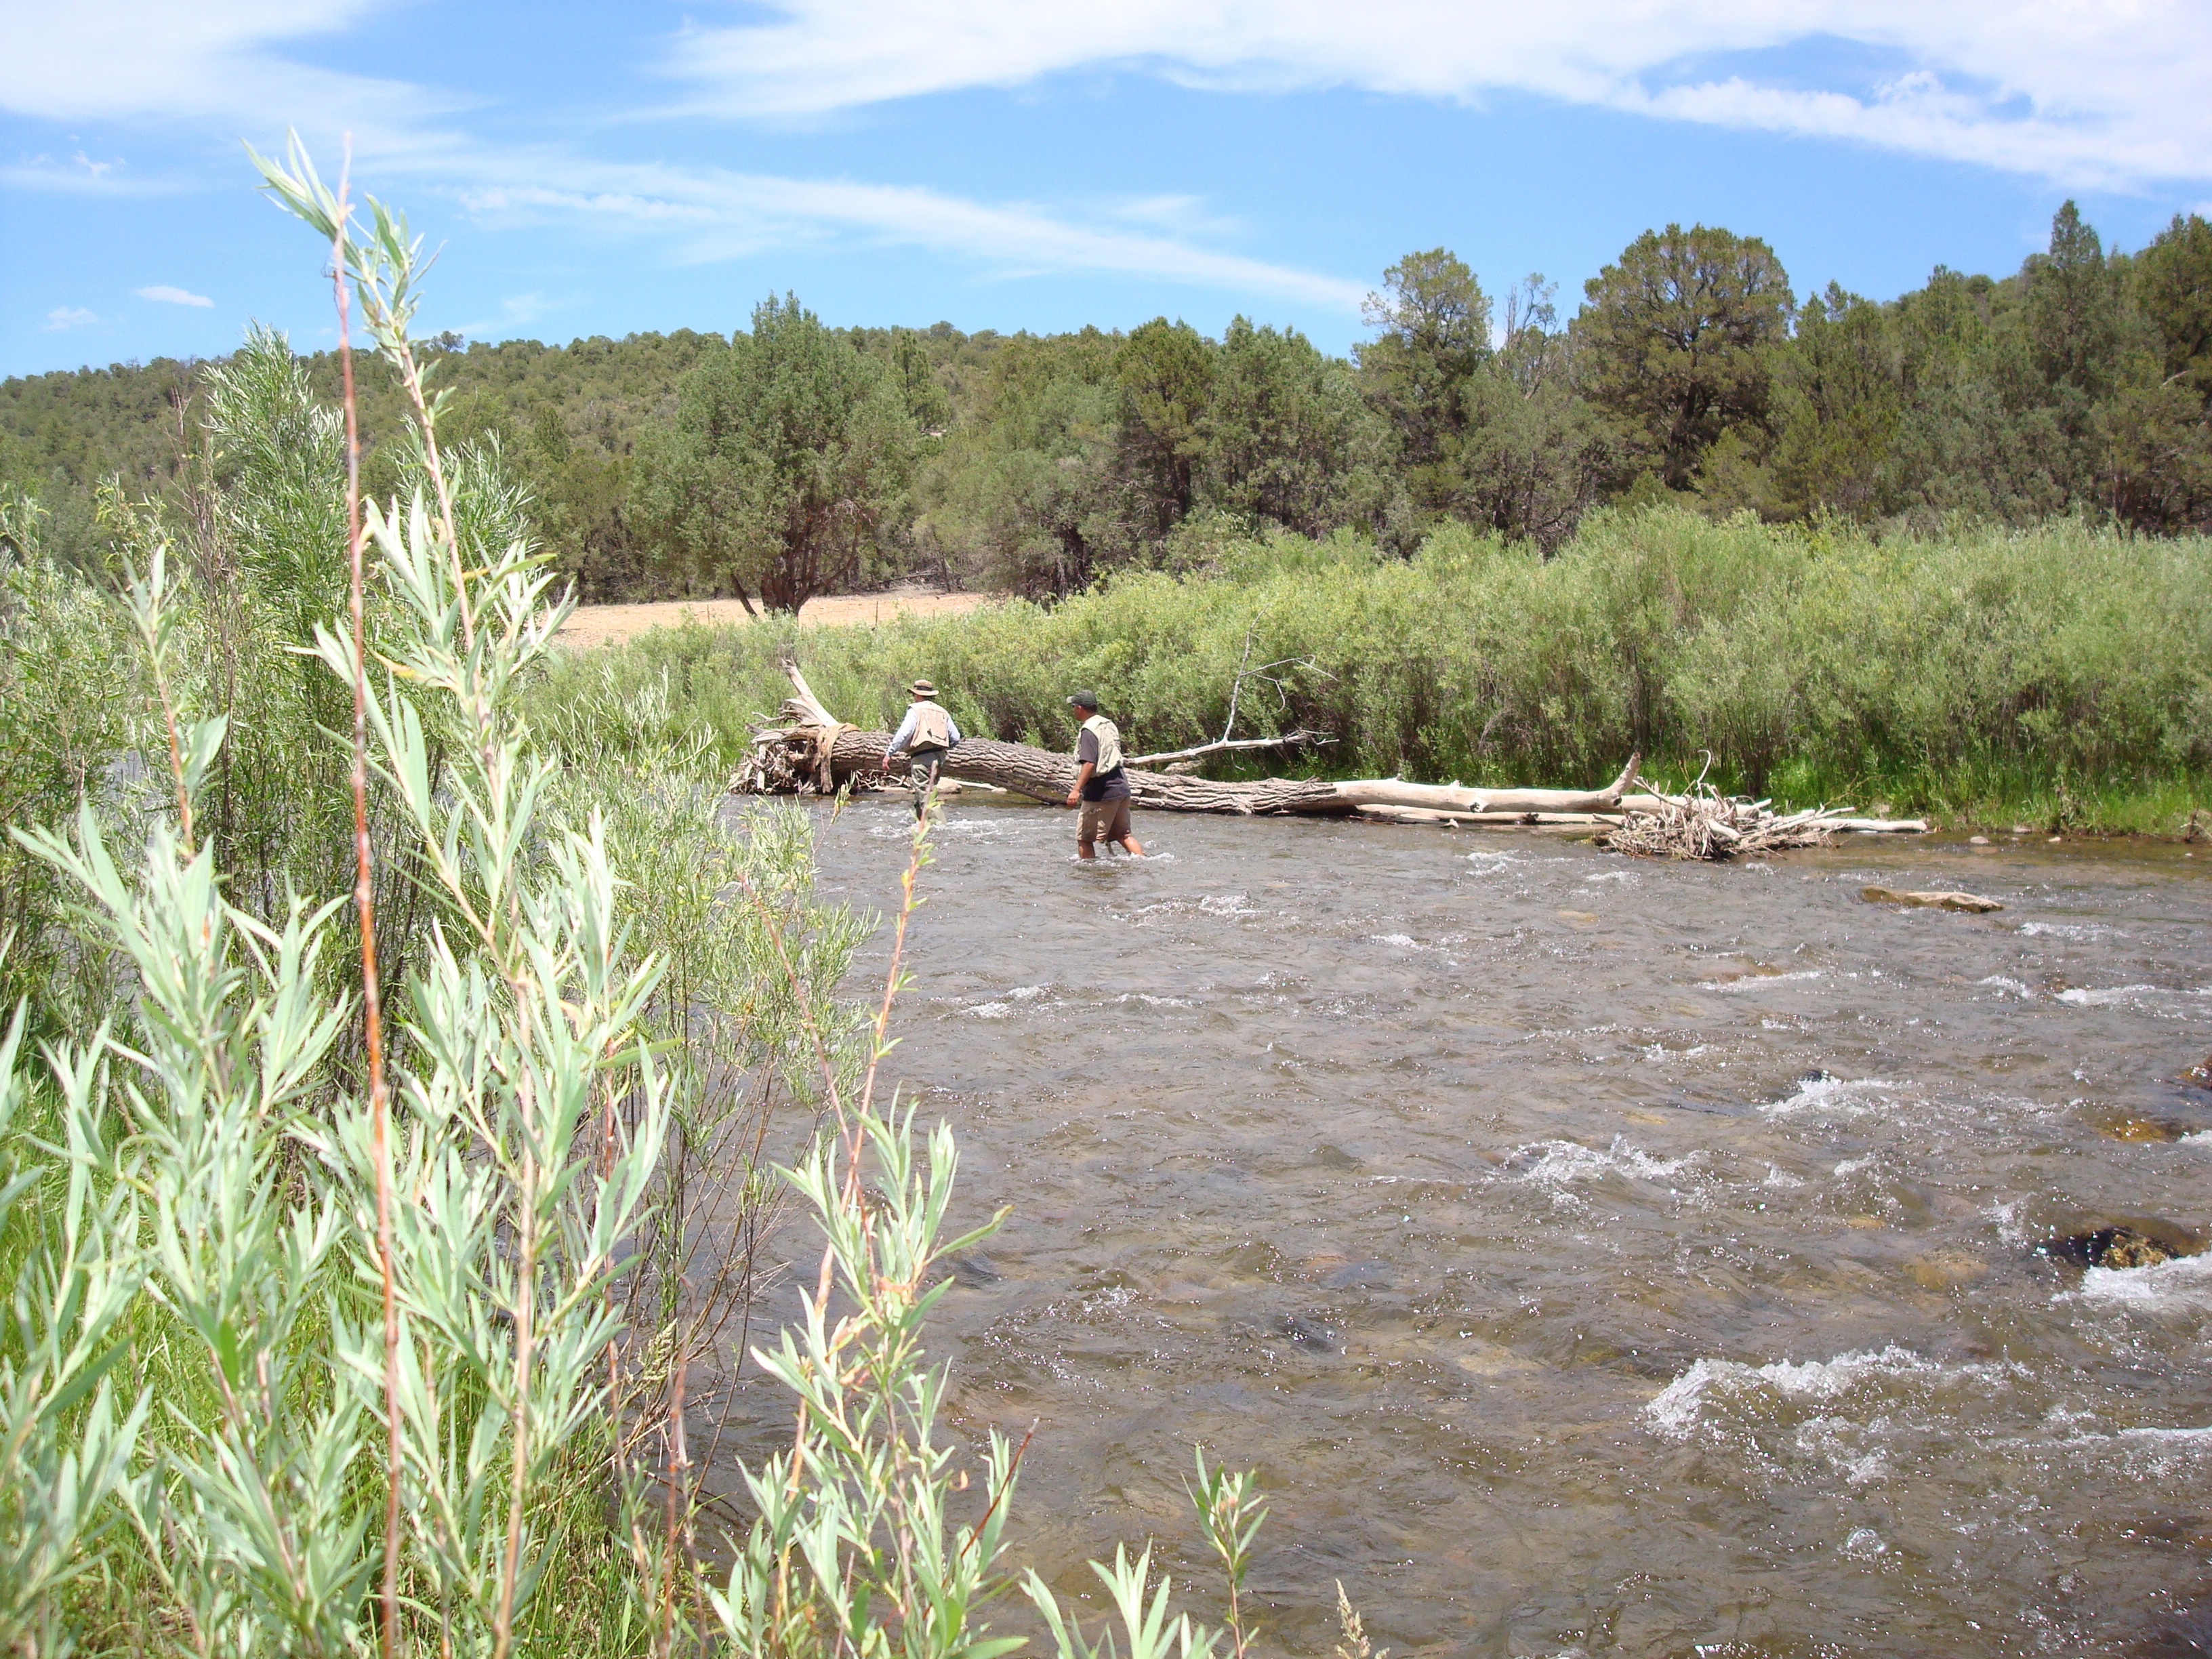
{"points": [[708, 213], [173, 296], [518, 311], [78, 174], [220, 61], [2086, 91], [67, 317], [224, 62]]}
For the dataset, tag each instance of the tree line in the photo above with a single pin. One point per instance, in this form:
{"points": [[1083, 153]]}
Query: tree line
{"points": [[790, 457]]}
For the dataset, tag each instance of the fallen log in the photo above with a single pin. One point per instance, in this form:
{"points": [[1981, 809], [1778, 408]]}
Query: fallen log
{"points": [[806, 748], [788, 760], [1534, 820]]}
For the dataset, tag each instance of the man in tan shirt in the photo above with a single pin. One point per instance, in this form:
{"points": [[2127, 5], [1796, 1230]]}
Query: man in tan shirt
{"points": [[927, 734], [1102, 786]]}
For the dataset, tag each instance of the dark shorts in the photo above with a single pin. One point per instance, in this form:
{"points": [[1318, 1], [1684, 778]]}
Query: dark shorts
{"points": [[1102, 820]]}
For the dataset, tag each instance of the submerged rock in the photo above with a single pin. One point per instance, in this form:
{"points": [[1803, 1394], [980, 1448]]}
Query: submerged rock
{"points": [[2200, 1074], [1295, 1327], [974, 1271], [1944, 1270], [2144, 1128], [2145, 1124], [1973, 903], [1310, 1332]]}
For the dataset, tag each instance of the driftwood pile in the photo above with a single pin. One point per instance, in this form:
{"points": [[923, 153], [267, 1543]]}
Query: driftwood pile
{"points": [[1707, 825]]}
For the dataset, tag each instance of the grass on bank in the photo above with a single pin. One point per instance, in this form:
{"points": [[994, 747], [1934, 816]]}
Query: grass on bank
{"points": [[2060, 677]]}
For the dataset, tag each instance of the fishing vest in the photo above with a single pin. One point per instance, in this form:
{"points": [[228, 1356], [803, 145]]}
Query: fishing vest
{"points": [[933, 727], [1109, 745]]}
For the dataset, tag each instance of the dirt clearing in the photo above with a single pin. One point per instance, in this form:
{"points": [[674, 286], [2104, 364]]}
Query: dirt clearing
{"points": [[611, 624]]}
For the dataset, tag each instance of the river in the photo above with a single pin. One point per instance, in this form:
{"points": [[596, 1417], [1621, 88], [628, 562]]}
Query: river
{"points": [[1592, 1257]]}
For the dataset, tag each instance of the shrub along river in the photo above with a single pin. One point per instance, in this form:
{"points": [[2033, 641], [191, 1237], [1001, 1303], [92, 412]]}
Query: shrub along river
{"points": [[1591, 1256]]}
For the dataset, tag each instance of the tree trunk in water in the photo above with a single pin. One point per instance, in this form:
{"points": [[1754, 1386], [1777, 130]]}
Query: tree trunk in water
{"points": [[791, 759]]}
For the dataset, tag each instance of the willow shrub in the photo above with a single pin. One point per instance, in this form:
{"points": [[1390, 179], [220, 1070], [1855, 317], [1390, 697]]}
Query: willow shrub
{"points": [[1987, 667], [292, 1365]]}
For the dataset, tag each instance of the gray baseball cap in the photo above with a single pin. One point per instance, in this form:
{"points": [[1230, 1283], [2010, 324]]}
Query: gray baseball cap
{"points": [[1084, 700]]}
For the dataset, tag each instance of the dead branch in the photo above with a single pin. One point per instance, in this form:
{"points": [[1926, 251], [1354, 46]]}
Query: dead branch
{"points": [[1288, 740]]}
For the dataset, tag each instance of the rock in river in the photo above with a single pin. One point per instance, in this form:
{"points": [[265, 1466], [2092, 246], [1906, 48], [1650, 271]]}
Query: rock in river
{"points": [[1971, 901], [2117, 1246]]}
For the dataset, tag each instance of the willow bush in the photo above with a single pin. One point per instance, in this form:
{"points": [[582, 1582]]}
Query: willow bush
{"points": [[353, 1294], [1986, 669]]}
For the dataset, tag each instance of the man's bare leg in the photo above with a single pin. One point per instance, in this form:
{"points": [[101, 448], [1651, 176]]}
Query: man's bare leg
{"points": [[1084, 849], [1129, 845]]}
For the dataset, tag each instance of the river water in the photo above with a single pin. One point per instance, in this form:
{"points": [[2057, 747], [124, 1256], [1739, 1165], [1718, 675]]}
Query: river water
{"points": [[1591, 1256]]}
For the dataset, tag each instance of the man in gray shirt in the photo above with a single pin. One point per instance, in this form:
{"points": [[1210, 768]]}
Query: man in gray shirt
{"points": [[1102, 786]]}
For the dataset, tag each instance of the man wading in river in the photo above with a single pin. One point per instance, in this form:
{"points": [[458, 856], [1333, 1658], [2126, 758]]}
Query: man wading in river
{"points": [[1102, 787], [926, 733]]}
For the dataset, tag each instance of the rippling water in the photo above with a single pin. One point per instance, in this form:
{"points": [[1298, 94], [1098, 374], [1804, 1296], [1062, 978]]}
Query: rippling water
{"points": [[1591, 1256]]}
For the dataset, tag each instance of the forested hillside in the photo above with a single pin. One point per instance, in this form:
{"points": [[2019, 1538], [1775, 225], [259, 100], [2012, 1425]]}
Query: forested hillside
{"points": [[789, 458]]}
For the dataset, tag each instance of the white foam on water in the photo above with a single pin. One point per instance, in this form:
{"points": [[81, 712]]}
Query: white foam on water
{"points": [[2170, 1437], [1756, 982], [2063, 930], [1853, 1094], [1865, 1544], [2005, 987], [1150, 1001], [2201, 1138], [990, 1010], [1612, 875], [1661, 1051], [1780, 1178], [1561, 1161], [1226, 904], [1398, 941], [2184, 1282], [2082, 998], [1028, 992], [1677, 1409]]}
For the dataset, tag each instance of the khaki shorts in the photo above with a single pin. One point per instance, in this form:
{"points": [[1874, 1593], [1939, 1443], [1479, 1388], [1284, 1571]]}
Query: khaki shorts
{"points": [[1103, 820]]}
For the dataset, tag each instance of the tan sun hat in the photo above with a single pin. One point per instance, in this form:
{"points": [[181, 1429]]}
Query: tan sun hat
{"points": [[922, 688]]}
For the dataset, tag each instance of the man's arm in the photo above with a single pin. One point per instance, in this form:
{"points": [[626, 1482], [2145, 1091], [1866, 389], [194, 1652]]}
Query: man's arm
{"points": [[1086, 758], [899, 737]]}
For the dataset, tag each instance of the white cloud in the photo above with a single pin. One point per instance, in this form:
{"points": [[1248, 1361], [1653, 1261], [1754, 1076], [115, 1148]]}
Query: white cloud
{"points": [[173, 296], [2101, 92], [213, 60], [220, 65], [518, 311], [68, 317], [78, 176], [714, 214]]}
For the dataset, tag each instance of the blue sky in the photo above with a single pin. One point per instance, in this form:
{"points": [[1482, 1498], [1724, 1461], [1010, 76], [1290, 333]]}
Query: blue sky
{"points": [[1004, 164]]}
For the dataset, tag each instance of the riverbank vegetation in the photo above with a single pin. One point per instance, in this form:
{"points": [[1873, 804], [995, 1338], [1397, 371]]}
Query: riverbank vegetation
{"points": [[787, 458], [2061, 676], [387, 1103]]}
